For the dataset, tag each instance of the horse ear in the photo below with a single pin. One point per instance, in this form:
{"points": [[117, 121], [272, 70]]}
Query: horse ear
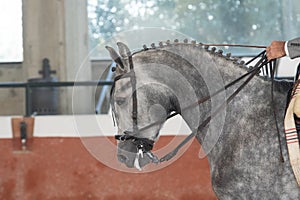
{"points": [[123, 50], [115, 56]]}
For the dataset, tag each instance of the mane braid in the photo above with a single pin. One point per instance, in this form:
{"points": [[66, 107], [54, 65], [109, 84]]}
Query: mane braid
{"points": [[210, 49]]}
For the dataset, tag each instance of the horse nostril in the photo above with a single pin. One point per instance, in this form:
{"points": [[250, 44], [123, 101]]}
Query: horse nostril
{"points": [[122, 158]]}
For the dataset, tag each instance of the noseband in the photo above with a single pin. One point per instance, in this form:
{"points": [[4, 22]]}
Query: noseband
{"points": [[145, 145]]}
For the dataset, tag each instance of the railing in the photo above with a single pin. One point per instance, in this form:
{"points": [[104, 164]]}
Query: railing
{"points": [[29, 85]]}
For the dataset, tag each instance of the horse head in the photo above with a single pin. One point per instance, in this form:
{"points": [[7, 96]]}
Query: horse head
{"points": [[140, 106]]}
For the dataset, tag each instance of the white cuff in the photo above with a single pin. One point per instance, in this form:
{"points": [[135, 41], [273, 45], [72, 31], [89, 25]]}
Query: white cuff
{"points": [[286, 49]]}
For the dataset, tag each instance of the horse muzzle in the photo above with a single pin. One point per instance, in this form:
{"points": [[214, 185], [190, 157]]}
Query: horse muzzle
{"points": [[131, 156]]}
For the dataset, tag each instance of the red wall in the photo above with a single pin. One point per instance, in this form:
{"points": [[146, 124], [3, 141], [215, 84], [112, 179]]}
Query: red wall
{"points": [[62, 169]]}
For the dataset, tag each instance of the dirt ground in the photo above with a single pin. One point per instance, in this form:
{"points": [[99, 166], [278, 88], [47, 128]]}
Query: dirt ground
{"points": [[62, 169]]}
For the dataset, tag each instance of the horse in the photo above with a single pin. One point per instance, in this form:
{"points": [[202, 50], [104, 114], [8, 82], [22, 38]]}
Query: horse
{"points": [[241, 140]]}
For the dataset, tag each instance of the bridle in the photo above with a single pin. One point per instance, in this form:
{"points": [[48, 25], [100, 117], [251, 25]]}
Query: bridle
{"points": [[145, 145]]}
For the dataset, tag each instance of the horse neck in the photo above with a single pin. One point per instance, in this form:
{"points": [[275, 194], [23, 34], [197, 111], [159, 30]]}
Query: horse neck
{"points": [[249, 115], [208, 72], [193, 73]]}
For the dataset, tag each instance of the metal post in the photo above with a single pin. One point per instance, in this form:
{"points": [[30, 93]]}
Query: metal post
{"points": [[28, 100]]}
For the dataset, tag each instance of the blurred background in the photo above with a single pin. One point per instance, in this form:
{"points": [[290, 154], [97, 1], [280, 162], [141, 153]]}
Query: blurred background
{"points": [[53, 66], [71, 35]]}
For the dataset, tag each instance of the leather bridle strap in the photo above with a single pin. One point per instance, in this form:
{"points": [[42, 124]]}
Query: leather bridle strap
{"points": [[131, 75], [141, 143], [272, 65], [134, 95]]}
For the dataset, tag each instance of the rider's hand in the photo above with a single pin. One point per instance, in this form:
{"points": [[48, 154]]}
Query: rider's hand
{"points": [[276, 50]]}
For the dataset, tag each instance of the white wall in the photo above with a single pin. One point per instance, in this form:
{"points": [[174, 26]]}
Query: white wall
{"points": [[83, 126]]}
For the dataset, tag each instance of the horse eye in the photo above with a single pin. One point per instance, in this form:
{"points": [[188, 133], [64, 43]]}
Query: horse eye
{"points": [[120, 101]]}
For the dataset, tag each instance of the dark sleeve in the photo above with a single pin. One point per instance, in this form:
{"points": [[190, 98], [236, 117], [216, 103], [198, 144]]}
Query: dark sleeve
{"points": [[293, 47]]}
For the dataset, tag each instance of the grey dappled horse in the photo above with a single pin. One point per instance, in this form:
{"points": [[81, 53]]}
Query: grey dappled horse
{"points": [[241, 142]]}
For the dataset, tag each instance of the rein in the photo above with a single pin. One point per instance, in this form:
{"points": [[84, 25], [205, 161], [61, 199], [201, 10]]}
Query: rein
{"points": [[235, 45], [262, 62], [145, 145]]}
